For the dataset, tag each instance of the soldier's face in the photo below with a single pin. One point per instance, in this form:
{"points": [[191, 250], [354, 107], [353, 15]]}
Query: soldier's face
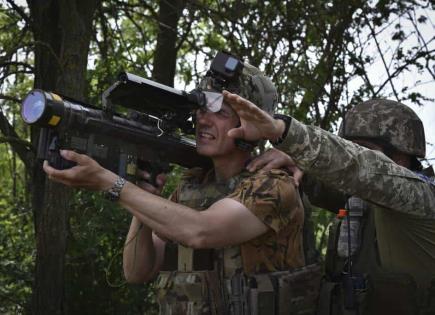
{"points": [[211, 131]]}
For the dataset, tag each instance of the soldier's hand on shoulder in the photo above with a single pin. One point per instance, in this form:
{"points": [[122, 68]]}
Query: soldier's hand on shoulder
{"points": [[276, 159]]}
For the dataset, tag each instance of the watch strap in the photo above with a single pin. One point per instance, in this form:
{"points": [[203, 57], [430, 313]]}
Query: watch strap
{"points": [[287, 121], [114, 192]]}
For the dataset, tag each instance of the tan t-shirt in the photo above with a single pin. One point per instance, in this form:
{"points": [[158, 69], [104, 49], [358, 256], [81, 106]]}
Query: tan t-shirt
{"points": [[273, 198]]}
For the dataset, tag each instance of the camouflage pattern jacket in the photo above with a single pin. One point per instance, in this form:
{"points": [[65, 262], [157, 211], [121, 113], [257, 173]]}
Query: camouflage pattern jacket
{"points": [[402, 203]]}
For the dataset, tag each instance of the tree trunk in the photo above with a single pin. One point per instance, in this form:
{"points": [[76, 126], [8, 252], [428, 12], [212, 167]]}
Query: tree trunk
{"points": [[165, 56], [62, 32]]}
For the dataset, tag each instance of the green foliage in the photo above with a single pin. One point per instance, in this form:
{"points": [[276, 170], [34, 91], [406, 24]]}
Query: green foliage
{"points": [[17, 239], [322, 220], [125, 38], [94, 260], [172, 180], [15, 50], [16, 236]]}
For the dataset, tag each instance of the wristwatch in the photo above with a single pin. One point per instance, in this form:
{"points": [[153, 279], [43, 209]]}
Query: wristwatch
{"points": [[287, 121], [114, 192]]}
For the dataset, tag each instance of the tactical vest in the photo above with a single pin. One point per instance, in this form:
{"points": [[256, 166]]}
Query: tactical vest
{"points": [[370, 289], [207, 281]]}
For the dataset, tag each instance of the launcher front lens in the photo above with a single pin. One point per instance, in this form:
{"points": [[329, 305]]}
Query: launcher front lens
{"points": [[33, 107]]}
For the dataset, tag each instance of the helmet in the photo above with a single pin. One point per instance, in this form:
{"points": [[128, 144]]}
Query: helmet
{"points": [[251, 84], [391, 122]]}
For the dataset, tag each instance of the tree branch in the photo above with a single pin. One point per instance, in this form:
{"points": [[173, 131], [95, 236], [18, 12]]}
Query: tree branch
{"points": [[10, 140], [20, 11], [390, 79], [420, 37], [21, 147], [403, 67], [9, 98], [16, 63]]}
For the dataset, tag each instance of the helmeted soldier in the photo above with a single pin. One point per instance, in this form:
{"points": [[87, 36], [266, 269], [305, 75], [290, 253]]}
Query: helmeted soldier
{"points": [[226, 239], [381, 250]]}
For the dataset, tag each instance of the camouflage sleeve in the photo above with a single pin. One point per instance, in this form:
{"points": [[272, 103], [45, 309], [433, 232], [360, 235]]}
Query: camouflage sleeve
{"points": [[272, 197], [322, 195], [355, 170]]}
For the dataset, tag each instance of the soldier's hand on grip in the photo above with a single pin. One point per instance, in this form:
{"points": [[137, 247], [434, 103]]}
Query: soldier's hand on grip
{"points": [[145, 182], [86, 174]]}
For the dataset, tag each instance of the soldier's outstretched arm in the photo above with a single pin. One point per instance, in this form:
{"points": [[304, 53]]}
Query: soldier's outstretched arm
{"points": [[356, 170], [266, 201], [341, 164], [226, 222]]}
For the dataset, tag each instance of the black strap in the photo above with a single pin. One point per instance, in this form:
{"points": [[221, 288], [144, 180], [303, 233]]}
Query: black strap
{"points": [[287, 121], [331, 251]]}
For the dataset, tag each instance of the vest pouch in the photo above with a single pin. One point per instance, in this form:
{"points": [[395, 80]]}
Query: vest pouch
{"points": [[298, 290], [393, 294], [328, 298], [262, 295], [186, 292], [428, 300], [345, 297]]}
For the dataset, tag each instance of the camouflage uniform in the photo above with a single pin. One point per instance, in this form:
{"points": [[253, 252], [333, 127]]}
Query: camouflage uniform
{"points": [[272, 197], [397, 252]]}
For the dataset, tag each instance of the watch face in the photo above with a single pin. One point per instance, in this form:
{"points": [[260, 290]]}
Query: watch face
{"points": [[114, 192]]}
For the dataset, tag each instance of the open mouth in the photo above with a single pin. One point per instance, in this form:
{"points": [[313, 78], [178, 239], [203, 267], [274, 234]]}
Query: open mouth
{"points": [[206, 135]]}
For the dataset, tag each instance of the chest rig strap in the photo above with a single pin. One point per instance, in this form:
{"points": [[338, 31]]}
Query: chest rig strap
{"points": [[185, 258]]}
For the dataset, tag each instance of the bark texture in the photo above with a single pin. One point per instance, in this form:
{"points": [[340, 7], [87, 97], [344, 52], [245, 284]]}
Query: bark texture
{"points": [[62, 31]]}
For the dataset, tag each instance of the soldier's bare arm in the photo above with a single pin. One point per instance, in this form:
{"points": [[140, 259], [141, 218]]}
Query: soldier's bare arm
{"points": [[225, 222], [168, 219], [260, 203], [143, 251]]}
